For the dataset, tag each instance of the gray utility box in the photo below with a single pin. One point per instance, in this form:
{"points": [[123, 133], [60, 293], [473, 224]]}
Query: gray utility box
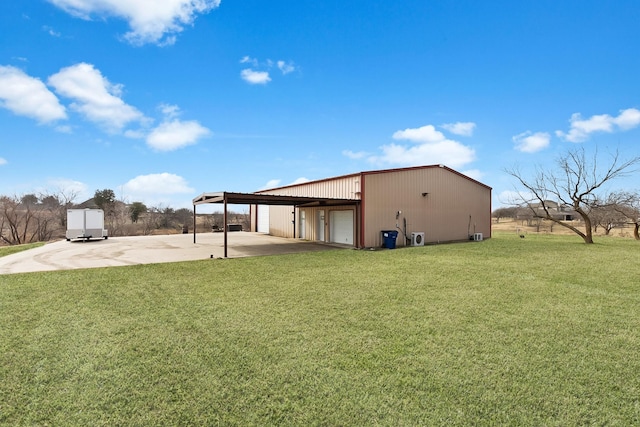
{"points": [[85, 224]]}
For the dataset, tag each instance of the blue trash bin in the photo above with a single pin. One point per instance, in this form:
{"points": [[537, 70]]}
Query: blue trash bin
{"points": [[389, 238]]}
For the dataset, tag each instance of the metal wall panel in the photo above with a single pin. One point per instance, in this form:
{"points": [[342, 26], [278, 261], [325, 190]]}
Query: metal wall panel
{"points": [[281, 221], [451, 208], [339, 188]]}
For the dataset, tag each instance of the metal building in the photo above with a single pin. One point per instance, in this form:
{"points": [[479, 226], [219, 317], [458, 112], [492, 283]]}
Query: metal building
{"points": [[425, 204]]}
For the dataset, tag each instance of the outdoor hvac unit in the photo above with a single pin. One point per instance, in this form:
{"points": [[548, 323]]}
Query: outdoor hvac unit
{"points": [[477, 237], [417, 239]]}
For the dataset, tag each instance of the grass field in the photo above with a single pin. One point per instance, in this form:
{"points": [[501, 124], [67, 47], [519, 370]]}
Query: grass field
{"points": [[537, 331]]}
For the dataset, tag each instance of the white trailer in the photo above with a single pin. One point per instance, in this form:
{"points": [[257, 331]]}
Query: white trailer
{"points": [[85, 224]]}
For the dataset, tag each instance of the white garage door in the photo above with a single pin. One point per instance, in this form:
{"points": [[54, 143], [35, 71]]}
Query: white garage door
{"points": [[263, 219], [341, 227]]}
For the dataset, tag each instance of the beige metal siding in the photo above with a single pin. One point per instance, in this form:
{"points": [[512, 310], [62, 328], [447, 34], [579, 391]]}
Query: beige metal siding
{"points": [[281, 221], [338, 188], [454, 206], [312, 225]]}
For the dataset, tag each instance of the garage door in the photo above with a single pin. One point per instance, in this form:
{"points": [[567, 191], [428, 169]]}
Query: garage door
{"points": [[263, 219], [341, 227]]}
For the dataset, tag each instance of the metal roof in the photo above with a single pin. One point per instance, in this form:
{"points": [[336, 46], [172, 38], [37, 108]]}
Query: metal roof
{"points": [[269, 199]]}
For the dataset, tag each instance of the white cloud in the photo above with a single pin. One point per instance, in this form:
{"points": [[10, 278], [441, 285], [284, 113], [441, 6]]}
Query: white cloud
{"points": [[529, 142], [135, 134], [513, 198], [51, 31], [249, 60], [169, 111], [473, 173], [355, 155], [255, 77], [156, 184], [447, 152], [424, 134], [96, 98], [64, 129], [460, 128], [150, 21], [580, 129], [2, 161], [628, 119], [69, 186], [286, 67], [432, 148], [28, 96], [272, 184], [171, 135], [259, 71], [300, 180]]}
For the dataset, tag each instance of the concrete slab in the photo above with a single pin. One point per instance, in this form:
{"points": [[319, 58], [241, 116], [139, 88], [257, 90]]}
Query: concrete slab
{"points": [[119, 251]]}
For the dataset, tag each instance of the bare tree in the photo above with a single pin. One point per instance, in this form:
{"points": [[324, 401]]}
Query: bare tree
{"points": [[57, 202], [17, 218], [576, 182], [606, 215], [628, 205], [505, 212]]}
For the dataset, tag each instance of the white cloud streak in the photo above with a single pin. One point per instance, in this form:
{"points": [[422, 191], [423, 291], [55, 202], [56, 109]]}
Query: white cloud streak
{"points": [[529, 142], [580, 129], [355, 155], [169, 111], [259, 71], [249, 60], [300, 180], [460, 128], [255, 77], [96, 98], [68, 186], [28, 96], [272, 183], [150, 21], [174, 134], [286, 67], [473, 173], [3, 161]]}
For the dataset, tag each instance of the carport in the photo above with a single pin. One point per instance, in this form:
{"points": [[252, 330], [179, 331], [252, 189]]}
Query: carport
{"points": [[227, 198]]}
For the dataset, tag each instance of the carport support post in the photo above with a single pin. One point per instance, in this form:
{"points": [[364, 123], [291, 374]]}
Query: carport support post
{"points": [[194, 223], [225, 224]]}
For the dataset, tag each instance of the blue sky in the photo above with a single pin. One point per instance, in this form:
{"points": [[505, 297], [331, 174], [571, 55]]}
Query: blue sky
{"points": [[162, 101]]}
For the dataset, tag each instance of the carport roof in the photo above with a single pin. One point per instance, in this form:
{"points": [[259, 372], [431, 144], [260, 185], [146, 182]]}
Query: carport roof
{"points": [[269, 199]]}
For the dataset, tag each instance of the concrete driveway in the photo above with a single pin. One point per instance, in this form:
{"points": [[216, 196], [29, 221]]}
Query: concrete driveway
{"points": [[119, 251]]}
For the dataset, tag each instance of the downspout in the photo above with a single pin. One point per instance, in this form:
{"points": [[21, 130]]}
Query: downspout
{"points": [[194, 224]]}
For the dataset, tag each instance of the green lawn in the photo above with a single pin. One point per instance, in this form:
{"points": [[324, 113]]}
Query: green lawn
{"points": [[537, 331]]}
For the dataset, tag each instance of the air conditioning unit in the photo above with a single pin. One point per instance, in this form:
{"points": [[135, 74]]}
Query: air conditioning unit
{"points": [[477, 237], [417, 239]]}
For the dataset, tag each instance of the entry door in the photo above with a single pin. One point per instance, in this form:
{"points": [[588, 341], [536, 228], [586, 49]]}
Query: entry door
{"points": [[341, 227], [320, 226], [303, 224], [263, 219]]}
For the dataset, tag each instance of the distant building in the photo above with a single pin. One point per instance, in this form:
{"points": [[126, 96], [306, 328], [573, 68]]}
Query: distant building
{"points": [[556, 210]]}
